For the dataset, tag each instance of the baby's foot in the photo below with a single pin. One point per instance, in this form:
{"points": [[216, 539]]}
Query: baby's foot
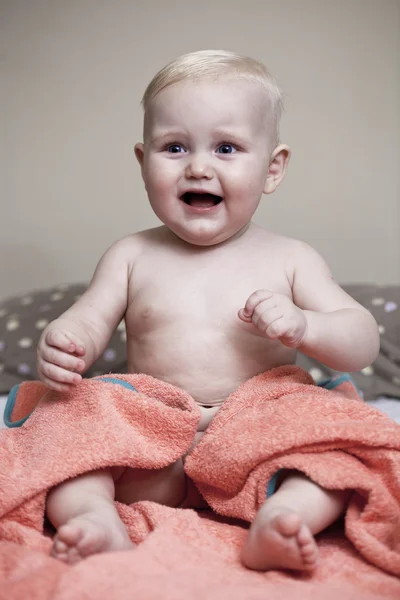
{"points": [[88, 534], [279, 540]]}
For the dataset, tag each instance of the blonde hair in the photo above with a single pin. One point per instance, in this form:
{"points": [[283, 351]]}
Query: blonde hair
{"points": [[212, 63]]}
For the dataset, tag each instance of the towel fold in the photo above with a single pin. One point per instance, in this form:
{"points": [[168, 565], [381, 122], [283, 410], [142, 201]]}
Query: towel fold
{"points": [[277, 420]]}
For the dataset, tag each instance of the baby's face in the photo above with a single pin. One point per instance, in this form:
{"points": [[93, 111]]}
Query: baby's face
{"points": [[205, 157]]}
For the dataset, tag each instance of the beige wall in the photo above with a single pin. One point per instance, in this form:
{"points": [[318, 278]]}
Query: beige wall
{"points": [[72, 74]]}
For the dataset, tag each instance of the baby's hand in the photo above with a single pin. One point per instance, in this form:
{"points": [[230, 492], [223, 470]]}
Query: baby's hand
{"points": [[275, 316], [58, 358]]}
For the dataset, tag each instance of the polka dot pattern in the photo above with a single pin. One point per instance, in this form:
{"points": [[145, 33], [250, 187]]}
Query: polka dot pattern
{"points": [[56, 296], [377, 301], [391, 307], [109, 355], [382, 377], [23, 318], [24, 369], [12, 324], [25, 342], [44, 308], [22, 321], [41, 323]]}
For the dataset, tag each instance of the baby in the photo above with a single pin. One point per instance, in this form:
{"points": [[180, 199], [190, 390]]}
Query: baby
{"points": [[208, 292]]}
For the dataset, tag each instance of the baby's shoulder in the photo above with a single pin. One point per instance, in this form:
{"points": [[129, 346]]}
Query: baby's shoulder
{"points": [[135, 243], [292, 254], [282, 243]]}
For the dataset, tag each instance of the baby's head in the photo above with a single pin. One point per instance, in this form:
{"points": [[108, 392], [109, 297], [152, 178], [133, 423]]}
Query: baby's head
{"points": [[211, 134], [216, 65]]}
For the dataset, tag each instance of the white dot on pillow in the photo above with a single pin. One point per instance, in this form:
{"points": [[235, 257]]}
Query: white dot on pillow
{"points": [[25, 342], [3, 312], [377, 301], [41, 323], [24, 369], [391, 307], [26, 300], [368, 371], [45, 307], [56, 296], [123, 336], [396, 380], [109, 354], [12, 324], [381, 329], [316, 374]]}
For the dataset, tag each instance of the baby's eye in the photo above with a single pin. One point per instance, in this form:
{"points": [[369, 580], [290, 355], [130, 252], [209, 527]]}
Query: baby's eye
{"points": [[226, 149], [175, 148]]}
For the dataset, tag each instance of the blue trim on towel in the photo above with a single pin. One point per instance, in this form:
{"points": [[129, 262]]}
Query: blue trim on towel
{"points": [[9, 407], [332, 382], [329, 384], [117, 381], [272, 483], [12, 396]]}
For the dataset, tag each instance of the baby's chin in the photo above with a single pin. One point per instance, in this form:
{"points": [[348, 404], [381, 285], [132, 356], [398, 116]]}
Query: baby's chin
{"points": [[207, 239]]}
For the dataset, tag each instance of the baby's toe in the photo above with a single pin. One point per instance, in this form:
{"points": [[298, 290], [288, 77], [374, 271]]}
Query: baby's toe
{"points": [[308, 548], [92, 542], [287, 524], [70, 535]]}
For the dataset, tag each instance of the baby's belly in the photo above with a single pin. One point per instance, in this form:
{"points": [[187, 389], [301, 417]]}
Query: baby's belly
{"points": [[207, 365]]}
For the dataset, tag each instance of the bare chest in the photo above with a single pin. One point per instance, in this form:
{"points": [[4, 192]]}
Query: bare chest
{"points": [[200, 292]]}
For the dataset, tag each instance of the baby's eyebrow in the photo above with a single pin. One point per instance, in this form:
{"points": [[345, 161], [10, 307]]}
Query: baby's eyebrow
{"points": [[231, 136], [167, 135]]}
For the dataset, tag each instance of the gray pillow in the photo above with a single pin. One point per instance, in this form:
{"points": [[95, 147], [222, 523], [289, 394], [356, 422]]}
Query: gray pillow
{"points": [[382, 378], [22, 320]]}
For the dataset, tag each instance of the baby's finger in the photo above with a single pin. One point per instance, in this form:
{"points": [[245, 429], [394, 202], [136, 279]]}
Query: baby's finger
{"points": [[255, 299], [65, 341], [276, 330], [264, 319], [55, 385], [244, 317], [58, 374], [62, 359]]}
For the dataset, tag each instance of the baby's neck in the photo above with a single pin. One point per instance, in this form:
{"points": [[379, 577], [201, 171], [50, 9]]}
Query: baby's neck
{"points": [[244, 231]]}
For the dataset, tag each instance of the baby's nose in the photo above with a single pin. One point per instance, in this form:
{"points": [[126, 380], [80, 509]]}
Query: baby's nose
{"points": [[199, 167]]}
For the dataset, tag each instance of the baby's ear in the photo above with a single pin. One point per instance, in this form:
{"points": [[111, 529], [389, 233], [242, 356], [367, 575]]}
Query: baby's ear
{"points": [[276, 169], [139, 153]]}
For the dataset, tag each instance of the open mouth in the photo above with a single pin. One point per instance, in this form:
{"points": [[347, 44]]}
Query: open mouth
{"points": [[199, 200]]}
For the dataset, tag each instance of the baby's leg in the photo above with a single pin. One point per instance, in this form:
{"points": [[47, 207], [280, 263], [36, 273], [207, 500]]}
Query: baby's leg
{"points": [[281, 536], [84, 514]]}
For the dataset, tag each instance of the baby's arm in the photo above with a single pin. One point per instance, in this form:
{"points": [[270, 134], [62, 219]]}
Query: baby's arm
{"points": [[71, 344], [340, 332], [322, 320]]}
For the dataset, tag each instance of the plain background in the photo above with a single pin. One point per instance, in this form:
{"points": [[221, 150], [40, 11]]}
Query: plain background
{"points": [[72, 76]]}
